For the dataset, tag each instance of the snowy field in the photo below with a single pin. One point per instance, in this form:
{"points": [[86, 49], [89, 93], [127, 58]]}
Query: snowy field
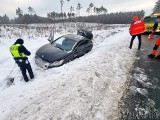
{"points": [[88, 88]]}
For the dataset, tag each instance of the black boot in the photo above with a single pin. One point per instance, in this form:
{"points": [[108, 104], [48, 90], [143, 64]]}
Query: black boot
{"points": [[151, 56], [158, 57]]}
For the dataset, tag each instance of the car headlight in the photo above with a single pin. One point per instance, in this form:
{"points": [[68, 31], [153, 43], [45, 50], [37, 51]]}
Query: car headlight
{"points": [[56, 63], [41, 63]]}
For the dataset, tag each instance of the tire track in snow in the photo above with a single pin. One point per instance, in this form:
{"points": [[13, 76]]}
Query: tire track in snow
{"points": [[4, 60]]}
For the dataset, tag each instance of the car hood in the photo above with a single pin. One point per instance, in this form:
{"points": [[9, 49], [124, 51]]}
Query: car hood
{"points": [[50, 53]]}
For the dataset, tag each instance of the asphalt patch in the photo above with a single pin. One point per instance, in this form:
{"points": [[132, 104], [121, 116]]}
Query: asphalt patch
{"points": [[141, 100]]}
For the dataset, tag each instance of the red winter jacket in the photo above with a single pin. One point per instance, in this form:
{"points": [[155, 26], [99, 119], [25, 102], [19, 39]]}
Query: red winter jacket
{"points": [[136, 27]]}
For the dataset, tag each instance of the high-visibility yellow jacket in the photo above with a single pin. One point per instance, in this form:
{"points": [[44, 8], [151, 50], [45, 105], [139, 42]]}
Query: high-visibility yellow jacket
{"points": [[15, 52]]}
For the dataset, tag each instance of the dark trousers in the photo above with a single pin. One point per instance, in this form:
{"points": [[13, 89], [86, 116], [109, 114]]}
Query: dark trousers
{"points": [[139, 38], [25, 66]]}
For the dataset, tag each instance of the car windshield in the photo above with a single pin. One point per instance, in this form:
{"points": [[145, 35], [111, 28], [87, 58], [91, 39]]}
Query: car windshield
{"points": [[151, 19], [64, 43]]}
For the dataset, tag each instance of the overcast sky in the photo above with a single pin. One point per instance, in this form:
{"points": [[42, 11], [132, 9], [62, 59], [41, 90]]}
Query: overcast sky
{"points": [[42, 7]]}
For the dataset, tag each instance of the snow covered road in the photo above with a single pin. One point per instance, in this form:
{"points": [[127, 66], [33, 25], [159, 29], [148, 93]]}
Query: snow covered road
{"points": [[87, 88]]}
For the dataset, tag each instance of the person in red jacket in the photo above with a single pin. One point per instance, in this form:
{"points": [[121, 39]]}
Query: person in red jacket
{"points": [[136, 29]]}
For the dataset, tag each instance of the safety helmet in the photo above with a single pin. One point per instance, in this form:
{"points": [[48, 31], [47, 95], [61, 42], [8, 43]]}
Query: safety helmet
{"points": [[135, 18]]}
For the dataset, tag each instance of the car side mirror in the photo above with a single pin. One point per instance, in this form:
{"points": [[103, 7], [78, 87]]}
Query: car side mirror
{"points": [[51, 37]]}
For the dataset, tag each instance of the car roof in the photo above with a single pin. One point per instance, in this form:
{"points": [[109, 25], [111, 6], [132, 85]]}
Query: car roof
{"points": [[75, 37]]}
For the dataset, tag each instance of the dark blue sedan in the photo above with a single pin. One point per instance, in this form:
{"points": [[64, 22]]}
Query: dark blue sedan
{"points": [[62, 50]]}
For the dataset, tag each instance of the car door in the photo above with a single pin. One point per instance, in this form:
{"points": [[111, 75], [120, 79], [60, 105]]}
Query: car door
{"points": [[80, 48], [88, 46]]}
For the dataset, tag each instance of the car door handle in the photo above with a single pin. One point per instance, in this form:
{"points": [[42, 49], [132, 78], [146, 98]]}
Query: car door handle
{"points": [[75, 55]]}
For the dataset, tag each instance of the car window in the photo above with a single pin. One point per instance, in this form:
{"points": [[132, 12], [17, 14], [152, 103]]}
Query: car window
{"points": [[60, 40], [151, 19], [82, 44], [64, 43]]}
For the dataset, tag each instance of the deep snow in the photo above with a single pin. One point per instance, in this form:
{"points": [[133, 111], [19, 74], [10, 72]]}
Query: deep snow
{"points": [[87, 88]]}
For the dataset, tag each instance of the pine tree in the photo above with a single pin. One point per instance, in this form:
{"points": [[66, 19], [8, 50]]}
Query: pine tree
{"points": [[31, 10], [91, 6], [157, 7], [79, 7], [19, 12]]}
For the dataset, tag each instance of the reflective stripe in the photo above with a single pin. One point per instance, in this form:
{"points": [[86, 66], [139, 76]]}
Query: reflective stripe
{"points": [[136, 22], [15, 52], [138, 28]]}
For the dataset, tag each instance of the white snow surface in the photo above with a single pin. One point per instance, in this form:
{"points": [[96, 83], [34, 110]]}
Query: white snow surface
{"points": [[87, 88]]}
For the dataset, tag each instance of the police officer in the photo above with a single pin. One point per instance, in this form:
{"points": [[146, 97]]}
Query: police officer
{"points": [[136, 29], [20, 53]]}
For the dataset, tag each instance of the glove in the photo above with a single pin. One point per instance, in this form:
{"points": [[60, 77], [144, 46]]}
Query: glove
{"points": [[150, 36]]}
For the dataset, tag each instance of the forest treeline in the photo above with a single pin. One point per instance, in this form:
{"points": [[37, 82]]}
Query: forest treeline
{"points": [[112, 18], [95, 15]]}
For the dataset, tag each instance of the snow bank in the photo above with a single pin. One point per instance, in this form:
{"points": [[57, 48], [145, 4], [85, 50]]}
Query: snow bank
{"points": [[87, 88]]}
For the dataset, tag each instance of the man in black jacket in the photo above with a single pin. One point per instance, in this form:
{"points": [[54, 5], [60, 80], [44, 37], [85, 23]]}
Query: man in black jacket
{"points": [[20, 53]]}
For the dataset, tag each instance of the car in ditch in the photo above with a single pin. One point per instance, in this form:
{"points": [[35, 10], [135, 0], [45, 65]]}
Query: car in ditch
{"points": [[62, 50]]}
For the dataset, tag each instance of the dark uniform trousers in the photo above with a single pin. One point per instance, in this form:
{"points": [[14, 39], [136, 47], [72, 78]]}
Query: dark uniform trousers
{"points": [[25, 66], [139, 38]]}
